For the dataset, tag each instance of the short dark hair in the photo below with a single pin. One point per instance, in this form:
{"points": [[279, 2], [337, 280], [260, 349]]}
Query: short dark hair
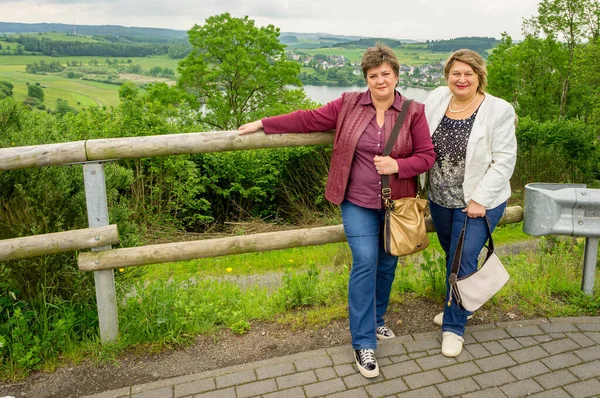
{"points": [[375, 56], [471, 58]]}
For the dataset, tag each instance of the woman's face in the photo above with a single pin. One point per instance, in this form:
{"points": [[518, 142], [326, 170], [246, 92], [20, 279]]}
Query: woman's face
{"points": [[382, 81], [463, 81]]}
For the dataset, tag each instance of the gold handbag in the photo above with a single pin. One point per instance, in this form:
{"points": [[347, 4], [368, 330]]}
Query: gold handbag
{"points": [[404, 229]]}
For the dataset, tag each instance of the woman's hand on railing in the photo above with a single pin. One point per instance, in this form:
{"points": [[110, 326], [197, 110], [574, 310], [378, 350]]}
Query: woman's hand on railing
{"points": [[251, 127]]}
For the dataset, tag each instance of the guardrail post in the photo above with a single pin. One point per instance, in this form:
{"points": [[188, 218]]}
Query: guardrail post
{"points": [[589, 265], [97, 209]]}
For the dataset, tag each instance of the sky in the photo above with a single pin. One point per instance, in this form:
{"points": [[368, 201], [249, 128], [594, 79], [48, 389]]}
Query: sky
{"points": [[399, 19]]}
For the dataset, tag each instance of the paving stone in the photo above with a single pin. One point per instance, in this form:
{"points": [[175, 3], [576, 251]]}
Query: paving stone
{"points": [[556, 379], [490, 335], [344, 370], [477, 351], [358, 380], [489, 393], [523, 331], [296, 379], [588, 327], [510, 344], [477, 328], [469, 339], [526, 341], [296, 392], [121, 392], [221, 393], [415, 355], [529, 370], [399, 369], [165, 392], [521, 388], [385, 388], [588, 354], [594, 336], [558, 346], [390, 349], [421, 345], [558, 328], [356, 393], [584, 389], [429, 392], [457, 387], [494, 363], [586, 370], [325, 374], [494, 379], [544, 338], [557, 336], [576, 319], [256, 388], [556, 393], [561, 361], [464, 356], [341, 358], [280, 369], [528, 354], [233, 379], [523, 322], [384, 361], [400, 358], [324, 388], [461, 370], [581, 339], [313, 363], [195, 387], [494, 347], [424, 378], [434, 351], [435, 361]]}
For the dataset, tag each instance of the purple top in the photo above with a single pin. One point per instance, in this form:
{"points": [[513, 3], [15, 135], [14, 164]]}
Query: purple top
{"points": [[364, 183]]}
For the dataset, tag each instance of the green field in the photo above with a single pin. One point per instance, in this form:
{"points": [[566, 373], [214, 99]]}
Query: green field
{"points": [[78, 93], [409, 54]]}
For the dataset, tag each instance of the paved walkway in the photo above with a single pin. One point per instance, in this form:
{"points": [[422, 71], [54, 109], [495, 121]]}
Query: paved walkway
{"points": [[558, 357]]}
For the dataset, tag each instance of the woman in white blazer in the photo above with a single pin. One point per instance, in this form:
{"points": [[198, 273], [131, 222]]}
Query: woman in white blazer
{"points": [[473, 134]]}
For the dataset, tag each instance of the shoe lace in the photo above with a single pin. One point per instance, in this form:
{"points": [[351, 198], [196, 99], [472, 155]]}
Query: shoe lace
{"points": [[367, 356]]}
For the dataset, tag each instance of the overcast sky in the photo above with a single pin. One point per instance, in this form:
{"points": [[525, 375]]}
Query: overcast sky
{"points": [[398, 19]]}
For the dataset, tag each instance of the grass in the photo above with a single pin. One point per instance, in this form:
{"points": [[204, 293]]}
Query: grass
{"points": [[408, 55]]}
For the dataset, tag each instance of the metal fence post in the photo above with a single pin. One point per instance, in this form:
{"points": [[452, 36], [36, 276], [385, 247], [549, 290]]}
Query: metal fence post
{"points": [[97, 209], [589, 265]]}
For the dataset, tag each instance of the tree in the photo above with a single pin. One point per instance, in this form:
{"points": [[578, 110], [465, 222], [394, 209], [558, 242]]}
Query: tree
{"points": [[238, 71], [35, 91], [6, 89]]}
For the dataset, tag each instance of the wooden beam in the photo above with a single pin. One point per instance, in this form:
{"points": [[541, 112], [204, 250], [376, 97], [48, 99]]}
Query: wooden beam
{"points": [[181, 251], [25, 157], [58, 242], [148, 146]]}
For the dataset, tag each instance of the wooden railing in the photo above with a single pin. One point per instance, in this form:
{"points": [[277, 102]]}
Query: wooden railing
{"points": [[93, 153]]}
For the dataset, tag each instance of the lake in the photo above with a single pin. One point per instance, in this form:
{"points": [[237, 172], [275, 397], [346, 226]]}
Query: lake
{"points": [[324, 94]]}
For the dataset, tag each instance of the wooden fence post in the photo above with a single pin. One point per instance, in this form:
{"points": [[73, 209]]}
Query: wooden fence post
{"points": [[97, 209]]}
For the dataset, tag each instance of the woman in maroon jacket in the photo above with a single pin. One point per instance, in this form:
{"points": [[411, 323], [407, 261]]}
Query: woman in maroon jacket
{"points": [[363, 122]]}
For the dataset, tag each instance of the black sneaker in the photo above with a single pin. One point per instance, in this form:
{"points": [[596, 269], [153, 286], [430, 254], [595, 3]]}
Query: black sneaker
{"points": [[366, 362], [383, 332]]}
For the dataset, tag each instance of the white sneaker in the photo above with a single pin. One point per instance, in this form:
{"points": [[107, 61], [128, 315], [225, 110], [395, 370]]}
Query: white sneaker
{"points": [[366, 362], [452, 344], [439, 318]]}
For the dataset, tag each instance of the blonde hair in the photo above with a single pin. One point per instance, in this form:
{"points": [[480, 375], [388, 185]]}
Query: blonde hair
{"points": [[471, 58], [375, 56]]}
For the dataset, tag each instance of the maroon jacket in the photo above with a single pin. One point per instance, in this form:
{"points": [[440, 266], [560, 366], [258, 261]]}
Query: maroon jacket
{"points": [[350, 115]]}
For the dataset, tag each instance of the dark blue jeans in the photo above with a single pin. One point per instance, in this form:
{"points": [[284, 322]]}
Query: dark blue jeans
{"points": [[448, 224], [372, 273]]}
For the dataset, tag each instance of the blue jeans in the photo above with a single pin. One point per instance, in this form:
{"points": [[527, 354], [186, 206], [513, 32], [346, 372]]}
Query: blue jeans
{"points": [[448, 224], [372, 274]]}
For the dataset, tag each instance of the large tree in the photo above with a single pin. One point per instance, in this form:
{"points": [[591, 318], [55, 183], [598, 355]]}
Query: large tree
{"points": [[239, 71]]}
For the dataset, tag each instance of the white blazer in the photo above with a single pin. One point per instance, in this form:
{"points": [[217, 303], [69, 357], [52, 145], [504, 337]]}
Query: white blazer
{"points": [[491, 149]]}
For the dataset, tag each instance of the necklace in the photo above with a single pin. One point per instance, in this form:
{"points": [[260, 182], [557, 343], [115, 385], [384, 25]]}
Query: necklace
{"points": [[463, 109]]}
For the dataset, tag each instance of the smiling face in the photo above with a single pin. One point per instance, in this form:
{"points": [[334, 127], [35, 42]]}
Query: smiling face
{"points": [[381, 81], [463, 81]]}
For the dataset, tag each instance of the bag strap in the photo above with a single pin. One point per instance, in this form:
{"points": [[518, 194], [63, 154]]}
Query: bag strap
{"points": [[385, 179], [458, 254], [453, 278]]}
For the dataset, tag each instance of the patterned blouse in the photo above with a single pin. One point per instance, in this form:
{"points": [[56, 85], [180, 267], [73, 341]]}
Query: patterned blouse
{"points": [[447, 174]]}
